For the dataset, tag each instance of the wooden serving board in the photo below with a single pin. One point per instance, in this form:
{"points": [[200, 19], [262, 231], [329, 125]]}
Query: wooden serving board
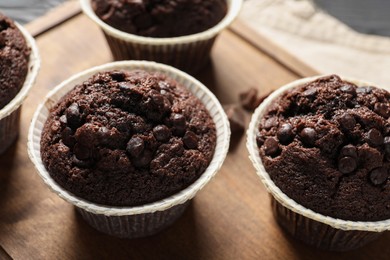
{"points": [[229, 219]]}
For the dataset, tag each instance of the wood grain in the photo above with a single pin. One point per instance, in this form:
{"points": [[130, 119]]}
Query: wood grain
{"points": [[230, 219]]}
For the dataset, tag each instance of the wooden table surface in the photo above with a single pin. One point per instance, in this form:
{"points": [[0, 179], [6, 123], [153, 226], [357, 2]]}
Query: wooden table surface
{"points": [[229, 219]]}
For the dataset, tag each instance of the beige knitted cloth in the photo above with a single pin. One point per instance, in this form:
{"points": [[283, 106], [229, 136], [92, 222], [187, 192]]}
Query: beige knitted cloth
{"points": [[320, 40]]}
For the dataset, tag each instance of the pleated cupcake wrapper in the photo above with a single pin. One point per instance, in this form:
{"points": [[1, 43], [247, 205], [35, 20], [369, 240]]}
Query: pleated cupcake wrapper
{"points": [[159, 212], [134, 226], [318, 234], [10, 114], [189, 53], [356, 232]]}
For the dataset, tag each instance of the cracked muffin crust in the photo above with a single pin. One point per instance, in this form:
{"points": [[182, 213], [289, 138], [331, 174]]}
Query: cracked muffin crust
{"points": [[126, 138], [161, 18], [326, 145]]}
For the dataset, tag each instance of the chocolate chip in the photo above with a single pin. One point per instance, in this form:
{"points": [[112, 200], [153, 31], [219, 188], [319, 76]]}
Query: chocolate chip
{"points": [[349, 89], [347, 121], [311, 92], [349, 150], [364, 90], [144, 159], [63, 120], [178, 120], [382, 109], [4, 25], [236, 118], [271, 146], [135, 146], [386, 142], [67, 137], [378, 176], [347, 164], [374, 137], [124, 86], [179, 123], [190, 140], [285, 133], [161, 133], [259, 140], [270, 122], [248, 99], [81, 163], [308, 136], [118, 76], [82, 152], [73, 116]]}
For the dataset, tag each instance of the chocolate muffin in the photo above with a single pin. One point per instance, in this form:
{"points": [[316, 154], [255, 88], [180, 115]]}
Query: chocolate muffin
{"points": [[126, 138], [161, 18], [14, 57], [326, 145]]}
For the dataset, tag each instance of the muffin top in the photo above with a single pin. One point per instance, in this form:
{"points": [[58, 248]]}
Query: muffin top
{"points": [[14, 57], [161, 18], [326, 145], [126, 138]]}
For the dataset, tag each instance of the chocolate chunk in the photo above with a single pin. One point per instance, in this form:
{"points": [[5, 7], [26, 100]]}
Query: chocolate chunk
{"points": [[67, 137], [347, 164], [347, 121], [158, 99], [364, 90], [236, 119], [270, 122], [382, 109], [374, 137], [348, 89], [179, 123], [179, 120], [285, 133], [162, 133], [4, 25], [349, 150], [378, 176], [271, 146], [190, 140], [311, 92], [73, 116], [248, 99], [118, 76], [308, 136], [82, 152], [135, 146], [386, 142], [63, 120], [259, 140], [144, 159], [81, 163]]}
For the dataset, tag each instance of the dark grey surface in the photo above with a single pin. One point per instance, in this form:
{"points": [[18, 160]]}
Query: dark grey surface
{"points": [[24, 11], [366, 16]]}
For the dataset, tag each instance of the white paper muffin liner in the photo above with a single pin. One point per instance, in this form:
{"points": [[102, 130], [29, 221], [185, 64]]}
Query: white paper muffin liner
{"points": [[10, 114], [294, 212], [189, 53], [132, 221]]}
